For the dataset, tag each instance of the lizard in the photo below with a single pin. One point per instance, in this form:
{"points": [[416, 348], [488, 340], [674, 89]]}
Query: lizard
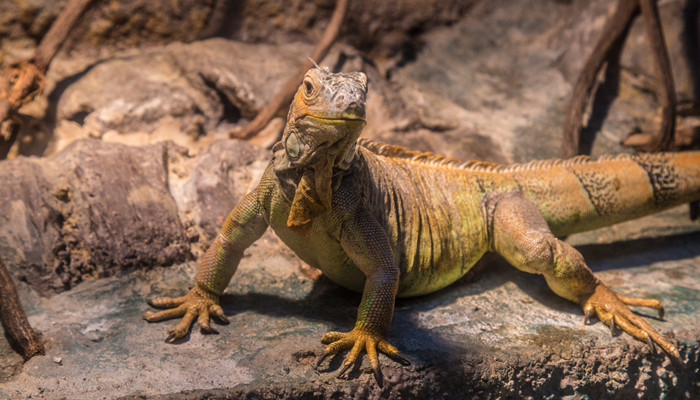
{"points": [[389, 222]]}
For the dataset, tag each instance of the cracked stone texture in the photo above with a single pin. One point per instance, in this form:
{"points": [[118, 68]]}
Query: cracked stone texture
{"points": [[92, 211], [100, 209], [493, 86]]}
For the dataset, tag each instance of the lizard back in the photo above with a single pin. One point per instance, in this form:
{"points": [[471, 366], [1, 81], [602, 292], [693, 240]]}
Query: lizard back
{"points": [[430, 213], [577, 194]]}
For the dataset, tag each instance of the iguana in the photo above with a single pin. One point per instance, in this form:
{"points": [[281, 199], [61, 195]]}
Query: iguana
{"points": [[390, 222]]}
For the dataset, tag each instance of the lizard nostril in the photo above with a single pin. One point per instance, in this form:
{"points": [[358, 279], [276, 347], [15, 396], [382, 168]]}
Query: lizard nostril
{"points": [[355, 109]]}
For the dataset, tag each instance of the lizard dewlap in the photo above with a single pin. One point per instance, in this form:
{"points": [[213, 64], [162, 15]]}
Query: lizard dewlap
{"points": [[391, 222]]}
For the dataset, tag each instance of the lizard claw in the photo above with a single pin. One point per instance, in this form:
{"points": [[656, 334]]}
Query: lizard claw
{"points": [[357, 340], [399, 358], [320, 359], [378, 376], [170, 337], [343, 370], [587, 315], [197, 304], [218, 312], [650, 342], [611, 308], [611, 322]]}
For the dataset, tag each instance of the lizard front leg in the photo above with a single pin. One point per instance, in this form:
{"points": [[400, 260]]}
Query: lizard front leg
{"points": [[521, 236], [367, 245], [243, 226]]}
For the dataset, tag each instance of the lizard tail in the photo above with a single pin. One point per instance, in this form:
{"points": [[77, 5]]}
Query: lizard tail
{"points": [[580, 196]]}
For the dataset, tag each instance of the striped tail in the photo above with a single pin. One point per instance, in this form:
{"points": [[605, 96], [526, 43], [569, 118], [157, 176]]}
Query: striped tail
{"points": [[581, 194]]}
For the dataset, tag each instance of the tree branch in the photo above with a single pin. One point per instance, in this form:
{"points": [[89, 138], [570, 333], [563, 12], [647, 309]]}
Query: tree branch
{"points": [[665, 89], [14, 320], [615, 30]]}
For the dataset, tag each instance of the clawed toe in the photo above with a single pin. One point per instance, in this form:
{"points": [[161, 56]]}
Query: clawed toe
{"points": [[611, 308], [359, 340], [400, 359], [196, 305]]}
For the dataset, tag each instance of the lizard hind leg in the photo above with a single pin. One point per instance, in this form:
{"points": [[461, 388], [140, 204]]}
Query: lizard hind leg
{"points": [[521, 235]]}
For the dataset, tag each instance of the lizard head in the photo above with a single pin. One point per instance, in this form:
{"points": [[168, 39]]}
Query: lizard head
{"points": [[326, 118], [323, 125]]}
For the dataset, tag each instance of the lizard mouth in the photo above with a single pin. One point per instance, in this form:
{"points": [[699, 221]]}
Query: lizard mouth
{"points": [[325, 136], [341, 119]]}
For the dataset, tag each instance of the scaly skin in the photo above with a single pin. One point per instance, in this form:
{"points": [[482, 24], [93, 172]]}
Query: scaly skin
{"points": [[390, 222]]}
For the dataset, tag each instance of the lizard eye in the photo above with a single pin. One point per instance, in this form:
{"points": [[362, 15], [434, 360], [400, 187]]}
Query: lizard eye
{"points": [[309, 88]]}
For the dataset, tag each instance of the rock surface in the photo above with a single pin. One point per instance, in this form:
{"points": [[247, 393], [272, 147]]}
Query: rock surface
{"points": [[202, 83], [483, 87], [101, 209], [89, 212], [506, 71]]}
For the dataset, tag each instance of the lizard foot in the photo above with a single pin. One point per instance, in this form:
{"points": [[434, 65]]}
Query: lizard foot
{"points": [[195, 304], [611, 308], [357, 340]]}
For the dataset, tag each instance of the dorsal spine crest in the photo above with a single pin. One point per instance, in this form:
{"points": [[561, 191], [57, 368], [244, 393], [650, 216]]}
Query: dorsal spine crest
{"points": [[432, 159]]}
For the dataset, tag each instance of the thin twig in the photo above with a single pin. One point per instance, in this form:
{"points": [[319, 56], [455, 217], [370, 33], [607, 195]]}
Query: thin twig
{"points": [[286, 94], [14, 320], [57, 34], [614, 31]]}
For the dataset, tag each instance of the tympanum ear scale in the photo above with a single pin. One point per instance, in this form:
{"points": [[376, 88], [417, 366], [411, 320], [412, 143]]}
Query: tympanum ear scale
{"points": [[292, 145]]}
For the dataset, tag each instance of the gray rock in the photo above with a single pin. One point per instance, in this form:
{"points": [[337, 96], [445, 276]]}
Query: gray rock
{"points": [[92, 211], [210, 80], [506, 71], [208, 186], [101, 209]]}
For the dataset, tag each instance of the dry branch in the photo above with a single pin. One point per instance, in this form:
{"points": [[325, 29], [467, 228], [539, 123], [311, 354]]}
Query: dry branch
{"points": [[14, 320], [286, 94], [665, 88], [614, 31], [57, 34]]}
